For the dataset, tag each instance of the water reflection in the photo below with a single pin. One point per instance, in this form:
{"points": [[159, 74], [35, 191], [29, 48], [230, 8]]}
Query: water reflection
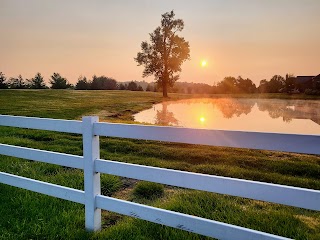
{"points": [[164, 117], [291, 109], [234, 107], [263, 115]]}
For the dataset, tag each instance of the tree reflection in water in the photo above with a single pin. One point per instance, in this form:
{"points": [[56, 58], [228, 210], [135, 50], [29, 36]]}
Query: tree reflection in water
{"points": [[236, 114], [164, 117], [234, 107], [291, 109]]}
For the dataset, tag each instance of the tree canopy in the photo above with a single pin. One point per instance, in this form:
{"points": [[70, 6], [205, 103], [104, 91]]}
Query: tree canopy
{"points": [[132, 86], [37, 82], [83, 84], [165, 53], [3, 79], [18, 83], [59, 82], [235, 85], [275, 85], [103, 83]]}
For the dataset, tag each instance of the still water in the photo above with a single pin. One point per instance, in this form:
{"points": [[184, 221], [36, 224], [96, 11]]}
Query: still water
{"points": [[257, 115]]}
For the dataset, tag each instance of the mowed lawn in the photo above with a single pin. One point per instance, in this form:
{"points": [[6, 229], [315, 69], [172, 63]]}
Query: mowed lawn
{"points": [[28, 215]]}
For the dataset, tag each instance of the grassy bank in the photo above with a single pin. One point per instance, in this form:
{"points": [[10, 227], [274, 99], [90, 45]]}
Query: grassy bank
{"points": [[110, 105], [28, 215]]}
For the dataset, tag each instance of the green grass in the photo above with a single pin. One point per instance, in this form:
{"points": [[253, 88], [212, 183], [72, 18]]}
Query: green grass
{"points": [[148, 190], [28, 215]]}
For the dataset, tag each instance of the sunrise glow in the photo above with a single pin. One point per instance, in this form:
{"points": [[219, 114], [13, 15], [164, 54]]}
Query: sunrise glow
{"points": [[219, 44]]}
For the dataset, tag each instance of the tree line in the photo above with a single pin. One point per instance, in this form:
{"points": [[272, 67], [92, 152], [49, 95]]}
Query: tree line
{"points": [[37, 82], [56, 81], [105, 83], [233, 85], [229, 85]]}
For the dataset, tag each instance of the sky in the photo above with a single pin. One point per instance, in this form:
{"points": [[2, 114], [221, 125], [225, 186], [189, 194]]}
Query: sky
{"points": [[248, 38]]}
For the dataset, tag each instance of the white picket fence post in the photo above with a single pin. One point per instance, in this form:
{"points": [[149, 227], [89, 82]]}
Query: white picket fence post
{"points": [[91, 152]]}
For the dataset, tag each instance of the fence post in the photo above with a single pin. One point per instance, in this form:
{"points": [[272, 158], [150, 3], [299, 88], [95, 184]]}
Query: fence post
{"points": [[91, 152]]}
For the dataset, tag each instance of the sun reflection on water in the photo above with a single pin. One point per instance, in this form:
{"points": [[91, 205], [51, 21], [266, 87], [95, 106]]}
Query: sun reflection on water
{"points": [[258, 115]]}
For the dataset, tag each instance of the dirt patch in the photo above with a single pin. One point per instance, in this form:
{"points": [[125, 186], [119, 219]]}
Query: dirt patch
{"points": [[311, 222], [110, 218], [122, 115], [260, 203], [127, 186], [104, 114]]}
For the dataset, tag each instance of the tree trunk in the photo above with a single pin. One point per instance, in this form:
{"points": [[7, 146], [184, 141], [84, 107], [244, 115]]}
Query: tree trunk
{"points": [[165, 80], [165, 89]]}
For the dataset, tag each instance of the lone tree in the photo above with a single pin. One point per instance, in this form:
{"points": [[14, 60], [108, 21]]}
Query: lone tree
{"points": [[165, 54]]}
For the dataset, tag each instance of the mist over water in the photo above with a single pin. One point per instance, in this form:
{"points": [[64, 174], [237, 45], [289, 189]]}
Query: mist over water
{"points": [[256, 115]]}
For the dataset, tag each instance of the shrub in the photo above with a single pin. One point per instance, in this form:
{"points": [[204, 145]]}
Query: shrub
{"points": [[148, 190], [312, 92], [109, 184]]}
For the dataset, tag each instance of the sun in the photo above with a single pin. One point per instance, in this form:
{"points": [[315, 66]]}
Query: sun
{"points": [[202, 119], [203, 63]]}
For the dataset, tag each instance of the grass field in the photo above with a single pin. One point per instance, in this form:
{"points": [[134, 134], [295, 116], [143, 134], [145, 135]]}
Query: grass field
{"points": [[28, 215]]}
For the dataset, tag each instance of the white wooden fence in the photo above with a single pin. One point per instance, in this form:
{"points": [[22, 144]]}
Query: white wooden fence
{"points": [[92, 165]]}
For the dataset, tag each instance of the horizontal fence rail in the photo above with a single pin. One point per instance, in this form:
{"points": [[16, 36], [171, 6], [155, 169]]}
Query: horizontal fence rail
{"points": [[66, 160], [92, 165], [287, 195], [308, 144], [181, 221], [43, 187], [68, 126]]}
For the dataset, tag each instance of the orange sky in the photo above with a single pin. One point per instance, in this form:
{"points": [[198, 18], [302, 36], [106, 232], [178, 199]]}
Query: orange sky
{"points": [[254, 39]]}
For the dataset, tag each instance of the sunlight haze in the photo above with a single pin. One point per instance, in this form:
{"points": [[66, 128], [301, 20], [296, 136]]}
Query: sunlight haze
{"points": [[254, 39]]}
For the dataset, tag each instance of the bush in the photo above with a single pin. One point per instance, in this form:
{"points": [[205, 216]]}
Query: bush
{"points": [[312, 92], [109, 184], [148, 190]]}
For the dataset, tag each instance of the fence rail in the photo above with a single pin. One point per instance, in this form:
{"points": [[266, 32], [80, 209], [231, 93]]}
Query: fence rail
{"points": [[62, 159], [308, 144], [287, 195], [53, 190], [68, 126], [92, 165]]}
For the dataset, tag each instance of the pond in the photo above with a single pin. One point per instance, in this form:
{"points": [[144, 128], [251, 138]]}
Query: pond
{"points": [[254, 115]]}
